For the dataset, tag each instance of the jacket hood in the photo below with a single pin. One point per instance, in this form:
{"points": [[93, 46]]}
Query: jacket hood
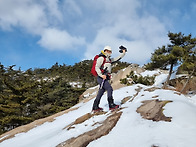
{"points": [[102, 54]]}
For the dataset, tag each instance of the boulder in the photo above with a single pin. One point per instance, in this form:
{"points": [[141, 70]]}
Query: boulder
{"points": [[153, 110]]}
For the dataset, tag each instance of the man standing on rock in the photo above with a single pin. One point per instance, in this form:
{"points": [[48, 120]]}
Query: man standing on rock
{"points": [[103, 67]]}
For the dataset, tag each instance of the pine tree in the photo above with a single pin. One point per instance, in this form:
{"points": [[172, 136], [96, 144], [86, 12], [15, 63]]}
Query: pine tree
{"points": [[173, 54], [189, 62]]}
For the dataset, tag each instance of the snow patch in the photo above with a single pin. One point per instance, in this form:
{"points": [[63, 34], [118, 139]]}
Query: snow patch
{"points": [[76, 84], [150, 73], [160, 79]]}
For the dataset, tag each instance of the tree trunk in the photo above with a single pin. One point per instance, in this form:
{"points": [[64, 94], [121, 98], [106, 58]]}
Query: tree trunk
{"points": [[170, 72], [188, 80]]}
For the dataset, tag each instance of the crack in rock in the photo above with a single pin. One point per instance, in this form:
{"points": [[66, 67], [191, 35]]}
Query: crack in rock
{"points": [[84, 139]]}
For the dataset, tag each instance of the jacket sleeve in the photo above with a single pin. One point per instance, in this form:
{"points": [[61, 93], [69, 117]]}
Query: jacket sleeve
{"points": [[99, 62], [113, 60]]}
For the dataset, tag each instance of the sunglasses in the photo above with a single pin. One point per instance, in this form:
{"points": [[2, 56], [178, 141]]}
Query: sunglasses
{"points": [[108, 51]]}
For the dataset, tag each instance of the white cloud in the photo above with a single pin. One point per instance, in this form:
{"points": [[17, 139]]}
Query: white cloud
{"points": [[55, 39], [53, 11], [37, 18], [21, 13], [140, 34], [67, 24], [72, 7]]}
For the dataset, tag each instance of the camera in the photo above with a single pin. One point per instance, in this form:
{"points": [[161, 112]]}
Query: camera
{"points": [[122, 48]]}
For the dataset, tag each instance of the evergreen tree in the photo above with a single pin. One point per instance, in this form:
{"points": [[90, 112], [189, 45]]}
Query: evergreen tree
{"points": [[173, 54], [189, 63]]}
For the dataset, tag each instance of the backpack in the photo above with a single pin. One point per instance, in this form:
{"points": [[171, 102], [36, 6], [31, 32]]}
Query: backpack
{"points": [[93, 71]]}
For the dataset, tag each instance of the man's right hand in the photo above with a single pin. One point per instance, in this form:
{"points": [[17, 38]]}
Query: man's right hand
{"points": [[103, 76]]}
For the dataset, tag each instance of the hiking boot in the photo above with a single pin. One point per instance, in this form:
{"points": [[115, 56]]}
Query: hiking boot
{"points": [[97, 109], [113, 106]]}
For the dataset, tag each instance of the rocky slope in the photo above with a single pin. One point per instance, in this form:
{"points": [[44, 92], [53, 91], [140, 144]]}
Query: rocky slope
{"points": [[149, 116]]}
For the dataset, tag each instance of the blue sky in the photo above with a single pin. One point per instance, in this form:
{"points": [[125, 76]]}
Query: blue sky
{"points": [[39, 33]]}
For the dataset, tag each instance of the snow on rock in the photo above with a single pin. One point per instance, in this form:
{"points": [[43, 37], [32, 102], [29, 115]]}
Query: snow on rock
{"points": [[160, 79], [133, 130], [85, 138], [150, 73], [192, 99], [89, 94]]}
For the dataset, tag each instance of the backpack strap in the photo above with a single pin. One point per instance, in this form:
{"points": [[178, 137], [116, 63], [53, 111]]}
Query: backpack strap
{"points": [[104, 61]]}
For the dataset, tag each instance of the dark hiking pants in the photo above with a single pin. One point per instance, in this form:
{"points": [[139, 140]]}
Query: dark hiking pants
{"points": [[106, 87]]}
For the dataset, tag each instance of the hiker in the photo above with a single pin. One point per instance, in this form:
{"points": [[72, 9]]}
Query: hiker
{"points": [[103, 69]]}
